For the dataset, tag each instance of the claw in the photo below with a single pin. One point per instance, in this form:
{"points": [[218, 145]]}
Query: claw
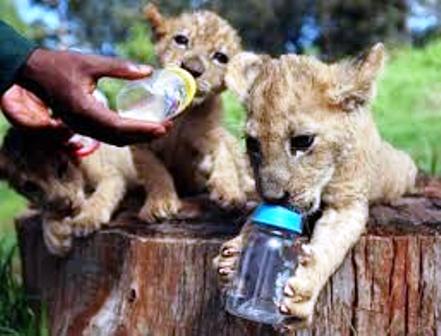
{"points": [[291, 324], [282, 329], [306, 255], [284, 309], [229, 251], [298, 298], [288, 291], [304, 261], [158, 209], [224, 271]]}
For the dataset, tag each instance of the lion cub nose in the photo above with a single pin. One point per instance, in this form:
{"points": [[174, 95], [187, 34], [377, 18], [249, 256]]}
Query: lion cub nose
{"points": [[194, 66], [280, 197]]}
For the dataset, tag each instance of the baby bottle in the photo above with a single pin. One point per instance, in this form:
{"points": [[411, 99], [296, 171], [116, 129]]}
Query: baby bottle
{"points": [[163, 95], [268, 259]]}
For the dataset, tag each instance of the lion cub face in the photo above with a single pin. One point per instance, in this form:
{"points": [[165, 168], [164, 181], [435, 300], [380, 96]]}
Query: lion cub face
{"points": [[42, 172], [201, 43], [303, 118]]}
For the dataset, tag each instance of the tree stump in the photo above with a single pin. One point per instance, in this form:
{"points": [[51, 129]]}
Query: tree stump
{"points": [[156, 280]]}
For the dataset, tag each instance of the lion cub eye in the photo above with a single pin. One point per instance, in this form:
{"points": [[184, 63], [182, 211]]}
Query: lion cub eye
{"points": [[30, 187], [301, 143], [181, 40], [220, 57], [62, 169], [253, 148]]}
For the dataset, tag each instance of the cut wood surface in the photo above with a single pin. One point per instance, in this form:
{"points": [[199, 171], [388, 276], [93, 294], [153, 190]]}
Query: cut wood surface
{"points": [[156, 280]]}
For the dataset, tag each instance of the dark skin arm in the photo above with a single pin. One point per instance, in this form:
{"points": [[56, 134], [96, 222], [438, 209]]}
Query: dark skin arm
{"points": [[65, 81]]}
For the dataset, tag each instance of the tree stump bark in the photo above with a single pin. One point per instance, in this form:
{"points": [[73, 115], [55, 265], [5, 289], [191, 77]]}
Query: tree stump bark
{"points": [[156, 280]]}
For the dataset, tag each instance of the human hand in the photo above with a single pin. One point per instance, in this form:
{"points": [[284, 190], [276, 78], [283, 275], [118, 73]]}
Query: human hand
{"points": [[65, 81], [23, 109], [17, 99]]}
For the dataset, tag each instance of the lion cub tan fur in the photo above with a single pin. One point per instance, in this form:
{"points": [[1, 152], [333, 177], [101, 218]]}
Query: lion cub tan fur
{"points": [[198, 153], [56, 182], [313, 143]]}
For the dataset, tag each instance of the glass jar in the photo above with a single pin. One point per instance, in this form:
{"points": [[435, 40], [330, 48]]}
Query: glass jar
{"points": [[267, 261]]}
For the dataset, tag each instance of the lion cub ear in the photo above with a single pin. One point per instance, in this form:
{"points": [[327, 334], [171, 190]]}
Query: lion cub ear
{"points": [[242, 71], [363, 73], [371, 64], [156, 20]]}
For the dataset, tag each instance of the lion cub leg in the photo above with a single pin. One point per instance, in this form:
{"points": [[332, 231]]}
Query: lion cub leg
{"points": [[57, 235], [226, 183], [99, 208], [243, 168], [162, 201], [96, 211], [334, 234]]}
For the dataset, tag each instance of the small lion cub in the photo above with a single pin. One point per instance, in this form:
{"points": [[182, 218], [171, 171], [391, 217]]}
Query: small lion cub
{"points": [[313, 143], [198, 154], [76, 195]]}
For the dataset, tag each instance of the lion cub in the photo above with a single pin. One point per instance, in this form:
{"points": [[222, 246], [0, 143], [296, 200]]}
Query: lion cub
{"points": [[313, 143], [76, 195], [198, 153]]}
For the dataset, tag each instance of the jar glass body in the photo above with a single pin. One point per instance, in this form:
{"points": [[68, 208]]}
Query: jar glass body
{"points": [[267, 261], [155, 99]]}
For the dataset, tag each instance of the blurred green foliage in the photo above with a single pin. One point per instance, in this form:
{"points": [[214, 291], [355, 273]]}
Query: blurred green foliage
{"points": [[11, 203], [8, 14], [408, 106], [137, 47], [16, 317], [335, 27], [234, 119]]}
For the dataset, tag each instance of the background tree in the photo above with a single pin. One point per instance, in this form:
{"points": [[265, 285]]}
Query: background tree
{"points": [[330, 28], [347, 26]]}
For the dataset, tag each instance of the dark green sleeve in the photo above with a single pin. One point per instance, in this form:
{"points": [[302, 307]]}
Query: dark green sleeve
{"points": [[14, 51]]}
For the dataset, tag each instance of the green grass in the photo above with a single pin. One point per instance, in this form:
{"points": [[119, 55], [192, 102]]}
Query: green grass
{"points": [[16, 318], [11, 203], [8, 14], [408, 106], [234, 119]]}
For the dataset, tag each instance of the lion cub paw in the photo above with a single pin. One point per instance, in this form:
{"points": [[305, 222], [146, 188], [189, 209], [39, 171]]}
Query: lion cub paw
{"points": [[57, 236], [228, 198], [300, 296], [159, 208], [225, 264], [89, 221]]}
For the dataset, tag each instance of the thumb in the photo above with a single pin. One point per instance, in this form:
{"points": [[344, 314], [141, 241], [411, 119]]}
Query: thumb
{"points": [[113, 67]]}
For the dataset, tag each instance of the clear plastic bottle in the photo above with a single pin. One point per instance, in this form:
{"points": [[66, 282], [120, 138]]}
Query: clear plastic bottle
{"points": [[267, 261], [163, 95]]}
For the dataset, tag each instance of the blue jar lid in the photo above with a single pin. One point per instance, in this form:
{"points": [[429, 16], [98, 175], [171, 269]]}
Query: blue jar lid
{"points": [[278, 216]]}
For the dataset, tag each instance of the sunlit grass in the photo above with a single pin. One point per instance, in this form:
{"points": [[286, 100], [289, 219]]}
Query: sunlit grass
{"points": [[408, 106], [16, 316]]}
